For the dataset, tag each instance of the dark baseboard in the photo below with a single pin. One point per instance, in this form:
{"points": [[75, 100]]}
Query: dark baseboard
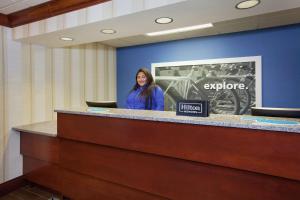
{"points": [[12, 185]]}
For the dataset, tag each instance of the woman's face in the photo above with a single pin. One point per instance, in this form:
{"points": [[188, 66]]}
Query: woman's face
{"points": [[141, 79]]}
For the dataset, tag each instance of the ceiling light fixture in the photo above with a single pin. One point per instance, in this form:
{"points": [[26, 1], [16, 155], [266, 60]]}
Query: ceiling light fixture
{"points": [[66, 39], [108, 31], [164, 20], [247, 4], [178, 30]]}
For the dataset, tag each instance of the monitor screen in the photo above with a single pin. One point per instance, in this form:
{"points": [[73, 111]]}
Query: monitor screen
{"points": [[103, 104], [276, 112]]}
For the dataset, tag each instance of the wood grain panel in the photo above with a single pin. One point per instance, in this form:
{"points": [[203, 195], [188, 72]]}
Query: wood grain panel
{"points": [[78, 186], [45, 10], [272, 153], [41, 172], [173, 178], [4, 20], [40, 147]]}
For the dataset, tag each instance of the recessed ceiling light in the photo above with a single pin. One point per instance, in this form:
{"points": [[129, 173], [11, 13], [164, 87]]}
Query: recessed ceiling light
{"points": [[178, 30], [108, 31], [247, 4], [66, 39], [164, 20]]}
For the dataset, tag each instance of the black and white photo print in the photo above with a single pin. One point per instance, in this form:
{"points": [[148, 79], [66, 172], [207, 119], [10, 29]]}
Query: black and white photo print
{"points": [[231, 85]]}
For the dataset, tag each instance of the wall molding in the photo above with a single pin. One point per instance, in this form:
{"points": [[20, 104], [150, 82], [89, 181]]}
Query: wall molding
{"points": [[45, 10]]}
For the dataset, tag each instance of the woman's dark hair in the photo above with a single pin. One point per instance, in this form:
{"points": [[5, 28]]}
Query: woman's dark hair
{"points": [[149, 86]]}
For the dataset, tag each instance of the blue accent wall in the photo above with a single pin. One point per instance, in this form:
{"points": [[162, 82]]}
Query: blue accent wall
{"points": [[279, 48]]}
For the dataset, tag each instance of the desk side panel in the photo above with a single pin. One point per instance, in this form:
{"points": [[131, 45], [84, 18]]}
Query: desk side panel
{"points": [[40, 159], [40, 147], [42, 173]]}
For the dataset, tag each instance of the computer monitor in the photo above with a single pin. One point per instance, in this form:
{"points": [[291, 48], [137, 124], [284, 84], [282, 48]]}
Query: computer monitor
{"points": [[103, 104], [276, 112]]}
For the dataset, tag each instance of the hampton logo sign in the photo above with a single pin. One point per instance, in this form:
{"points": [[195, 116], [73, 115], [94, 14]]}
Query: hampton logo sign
{"points": [[192, 108]]}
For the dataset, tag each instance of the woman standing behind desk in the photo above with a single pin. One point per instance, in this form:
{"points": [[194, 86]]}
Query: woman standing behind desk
{"points": [[145, 94]]}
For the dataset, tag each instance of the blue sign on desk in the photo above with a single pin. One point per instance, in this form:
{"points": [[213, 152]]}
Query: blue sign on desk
{"points": [[192, 108]]}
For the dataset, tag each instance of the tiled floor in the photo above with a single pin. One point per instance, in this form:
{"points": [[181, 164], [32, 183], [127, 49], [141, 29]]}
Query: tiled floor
{"points": [[29, 193]]}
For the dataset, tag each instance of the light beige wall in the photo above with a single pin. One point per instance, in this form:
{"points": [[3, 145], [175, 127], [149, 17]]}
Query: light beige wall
{"points": [[14, 103], [1, 107], [34, 80]]}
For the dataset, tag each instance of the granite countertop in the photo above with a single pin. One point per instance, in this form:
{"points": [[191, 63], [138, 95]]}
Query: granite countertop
{"points": [[48, 128], [237, 121]]}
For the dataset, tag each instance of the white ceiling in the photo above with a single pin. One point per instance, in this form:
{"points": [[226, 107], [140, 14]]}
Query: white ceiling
{"points": [[10, 6], [131, 28]]}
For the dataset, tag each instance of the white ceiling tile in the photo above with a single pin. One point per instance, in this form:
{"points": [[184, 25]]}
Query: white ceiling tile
{"points": [[283, 18], [10, 6], [4, 3], [30, 3]]}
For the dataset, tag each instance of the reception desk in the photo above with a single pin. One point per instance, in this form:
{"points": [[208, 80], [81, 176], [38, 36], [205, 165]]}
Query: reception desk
{"points": [[133, 154]]}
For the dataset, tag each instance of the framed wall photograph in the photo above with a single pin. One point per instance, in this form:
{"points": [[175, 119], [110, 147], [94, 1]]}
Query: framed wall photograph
{"points": [[231, 85]]}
